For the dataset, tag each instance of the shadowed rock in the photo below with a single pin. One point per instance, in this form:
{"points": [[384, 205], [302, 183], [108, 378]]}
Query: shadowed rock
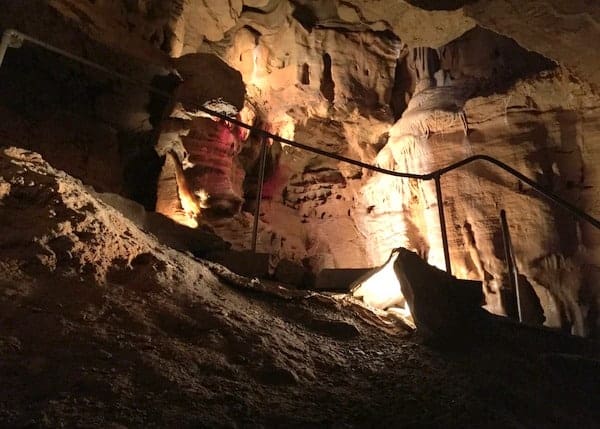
{"points": [[443, 307]]}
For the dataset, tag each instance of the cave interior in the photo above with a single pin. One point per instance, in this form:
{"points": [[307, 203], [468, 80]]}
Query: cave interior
{"points": [[295, 213]]}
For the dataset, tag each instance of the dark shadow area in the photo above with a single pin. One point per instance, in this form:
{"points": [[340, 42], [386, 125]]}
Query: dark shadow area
{"points": [[141, 168], [327, 83], [305, 16], [493, 61], [440, 4], [82, 121], [402, 89], [305, 74]]}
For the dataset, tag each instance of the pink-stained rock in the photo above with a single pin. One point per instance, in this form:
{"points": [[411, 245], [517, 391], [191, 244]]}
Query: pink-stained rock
{"points": [[203, 148]]}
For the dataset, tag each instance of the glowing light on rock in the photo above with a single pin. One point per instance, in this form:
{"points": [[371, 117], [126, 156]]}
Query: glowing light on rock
{"points": [[189, 204], [174, 198], [385, 224], [285, 127], [248, 116], [255, 54], [382, 289], [258, 78], [436, 250]]}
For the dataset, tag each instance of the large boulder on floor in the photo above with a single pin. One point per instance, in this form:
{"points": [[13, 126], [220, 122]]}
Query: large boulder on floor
{"points": [[444, 308], [242, 262]]}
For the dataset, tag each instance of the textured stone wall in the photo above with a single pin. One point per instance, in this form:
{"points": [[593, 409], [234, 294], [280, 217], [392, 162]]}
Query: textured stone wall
{"points": [[346, 76]]}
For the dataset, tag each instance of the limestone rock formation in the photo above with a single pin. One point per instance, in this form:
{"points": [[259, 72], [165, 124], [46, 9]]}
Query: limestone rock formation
{"points": [[554, 28], [201, 169], [411, 86]]}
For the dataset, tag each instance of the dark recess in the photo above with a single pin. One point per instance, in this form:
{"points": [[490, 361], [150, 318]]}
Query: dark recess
{"points": [[305, 75], [403, 86], [504, 63], [440, 4], [305, 16], [327, 84]]}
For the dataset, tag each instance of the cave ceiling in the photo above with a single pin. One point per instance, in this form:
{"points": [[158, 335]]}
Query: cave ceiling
{"points": [[554, 28]]}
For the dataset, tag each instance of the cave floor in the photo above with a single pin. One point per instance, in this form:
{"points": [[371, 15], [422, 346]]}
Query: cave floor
{"points": [[113, 357], [103, 326]]}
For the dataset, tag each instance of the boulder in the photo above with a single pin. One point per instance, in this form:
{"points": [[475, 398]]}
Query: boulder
{"points": [[445, 309], [290, 273]]}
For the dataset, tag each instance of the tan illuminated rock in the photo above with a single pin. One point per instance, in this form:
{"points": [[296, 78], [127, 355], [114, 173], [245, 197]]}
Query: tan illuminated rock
{"points": [[415, 26], [357, 78], [181, 26]]}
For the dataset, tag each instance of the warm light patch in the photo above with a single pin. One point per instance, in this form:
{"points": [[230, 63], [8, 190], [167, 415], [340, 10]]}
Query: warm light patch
{"points": [[173, 197], [282, 125], [382, 290], [258, 78], [248, 116], [436, 251], [285, 126], [191, 211]]}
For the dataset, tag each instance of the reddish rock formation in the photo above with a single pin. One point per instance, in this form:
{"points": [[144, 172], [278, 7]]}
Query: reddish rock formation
{"points": [[201, 151]]}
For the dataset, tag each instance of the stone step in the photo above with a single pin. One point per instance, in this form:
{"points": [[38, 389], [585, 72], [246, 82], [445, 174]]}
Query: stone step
{"points": [[338, 279], [249, 264], [243, 262]]}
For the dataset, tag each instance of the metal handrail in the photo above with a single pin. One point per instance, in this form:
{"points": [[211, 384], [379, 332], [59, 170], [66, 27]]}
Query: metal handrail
{"points": [[13, 38], [509, 254]]}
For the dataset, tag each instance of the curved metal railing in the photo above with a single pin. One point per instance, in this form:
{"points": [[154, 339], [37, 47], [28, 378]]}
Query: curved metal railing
{"points": [[14, 39]]}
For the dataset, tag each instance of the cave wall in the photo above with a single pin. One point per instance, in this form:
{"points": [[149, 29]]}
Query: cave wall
{"points": [[531, 129], [344, 76], [88, 123]]}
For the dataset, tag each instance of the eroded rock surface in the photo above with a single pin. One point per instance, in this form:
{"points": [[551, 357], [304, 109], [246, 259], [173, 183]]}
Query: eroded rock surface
{"points": [[102, 325], [407, 86]]}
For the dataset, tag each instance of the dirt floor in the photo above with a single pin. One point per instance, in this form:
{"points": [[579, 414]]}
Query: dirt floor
{"points": [[102, 326]]}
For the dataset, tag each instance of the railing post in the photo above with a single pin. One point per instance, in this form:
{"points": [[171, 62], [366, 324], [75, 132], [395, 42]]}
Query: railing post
{"points": [[513, 271], [440, 204], [4, 46], [261, 179], [10, 39]]}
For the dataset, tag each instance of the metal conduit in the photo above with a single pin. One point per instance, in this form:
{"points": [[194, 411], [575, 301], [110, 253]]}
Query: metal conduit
{"points": [[14, 38]]}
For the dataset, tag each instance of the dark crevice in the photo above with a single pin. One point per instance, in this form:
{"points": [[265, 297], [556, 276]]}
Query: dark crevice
{"points": [[254, 32], [327, 84], [305, 74], [141, 167], [305, 16], [402, 89], [252, 10], [440, 4]]}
